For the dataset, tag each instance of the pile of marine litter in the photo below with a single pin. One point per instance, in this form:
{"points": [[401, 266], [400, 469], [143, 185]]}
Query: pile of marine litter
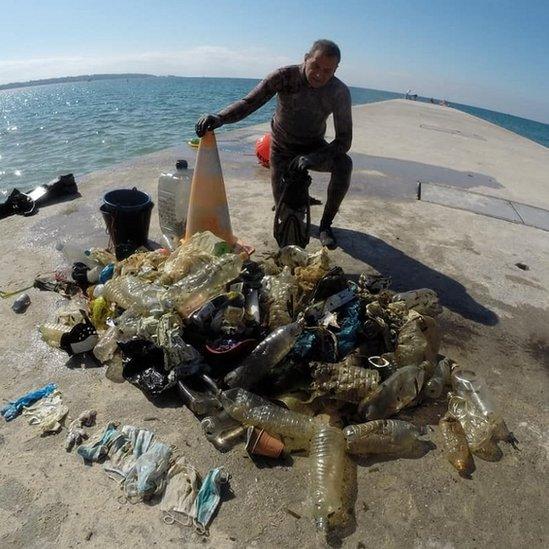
{"points": [[288, 352]]}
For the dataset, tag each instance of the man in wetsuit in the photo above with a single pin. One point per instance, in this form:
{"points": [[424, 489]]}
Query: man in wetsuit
{"points": [[306, 95]]}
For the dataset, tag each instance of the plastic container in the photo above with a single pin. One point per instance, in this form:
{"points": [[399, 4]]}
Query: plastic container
{"points": [[174, 190], [455, 445], [383, 436], [343, 382], [251, 409], [396, 392], [327, 455], [194, 290], [127, 215]]}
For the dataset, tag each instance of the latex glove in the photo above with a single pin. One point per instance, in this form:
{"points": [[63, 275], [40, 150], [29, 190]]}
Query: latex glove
{"points": [[208, 122], [302, 162]]}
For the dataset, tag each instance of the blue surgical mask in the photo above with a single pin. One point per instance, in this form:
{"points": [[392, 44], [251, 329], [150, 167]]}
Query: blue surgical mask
{"points": [[209, 497]]}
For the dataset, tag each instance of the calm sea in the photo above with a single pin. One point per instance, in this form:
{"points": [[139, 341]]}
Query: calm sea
{"points": [[84, 126]]}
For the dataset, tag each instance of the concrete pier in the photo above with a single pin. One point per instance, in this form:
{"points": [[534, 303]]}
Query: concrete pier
{"points": [[439, 199]]}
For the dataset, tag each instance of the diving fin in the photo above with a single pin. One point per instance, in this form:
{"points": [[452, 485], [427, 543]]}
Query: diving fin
{"points": [[292, 221]]}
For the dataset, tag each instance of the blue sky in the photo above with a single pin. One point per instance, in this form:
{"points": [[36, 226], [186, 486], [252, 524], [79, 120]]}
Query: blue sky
{"points": [[487, 53]]}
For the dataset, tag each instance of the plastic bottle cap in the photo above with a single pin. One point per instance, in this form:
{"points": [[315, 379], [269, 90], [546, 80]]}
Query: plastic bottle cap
{"points": [[181, 165]]}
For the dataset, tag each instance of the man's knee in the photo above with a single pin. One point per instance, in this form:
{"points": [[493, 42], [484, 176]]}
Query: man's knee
{"points": [[343, 164]]}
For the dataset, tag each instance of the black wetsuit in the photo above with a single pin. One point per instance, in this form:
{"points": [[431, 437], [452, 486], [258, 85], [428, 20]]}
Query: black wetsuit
{"points": [[299, 126]]}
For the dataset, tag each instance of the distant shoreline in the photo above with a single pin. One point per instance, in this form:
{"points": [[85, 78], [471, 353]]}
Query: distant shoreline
{"points": [[65, 79]]}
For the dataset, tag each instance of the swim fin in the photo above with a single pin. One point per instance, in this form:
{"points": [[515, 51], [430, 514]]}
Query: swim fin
{"points": [[292, 221]]}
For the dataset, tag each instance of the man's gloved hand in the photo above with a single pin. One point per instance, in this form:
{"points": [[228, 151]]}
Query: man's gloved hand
{"points": [[208, 122], [302, 163]]}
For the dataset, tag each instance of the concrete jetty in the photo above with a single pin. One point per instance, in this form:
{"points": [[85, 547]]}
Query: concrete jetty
{"points": [[439, 199]]}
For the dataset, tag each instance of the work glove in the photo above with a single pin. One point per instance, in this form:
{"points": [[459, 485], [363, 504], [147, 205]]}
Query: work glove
{"points": [[302, 162], [208, 122]]}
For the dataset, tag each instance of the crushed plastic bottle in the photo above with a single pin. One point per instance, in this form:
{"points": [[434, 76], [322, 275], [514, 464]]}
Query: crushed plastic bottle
{"points": [[343, 382], [292, 256], [384, 436], [418, 340], [472, 405], [190, 257], [395, 393], [455, 445], [107, 344], [251, 409], [280, 292], [265, 356], [194, 290], [441, 378], [327, 459], [202, 317], [51, 333], [424, 301], [130, 291]]}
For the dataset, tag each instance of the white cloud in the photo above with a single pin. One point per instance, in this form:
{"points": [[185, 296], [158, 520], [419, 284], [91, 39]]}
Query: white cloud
{"points": [[197, 61]]}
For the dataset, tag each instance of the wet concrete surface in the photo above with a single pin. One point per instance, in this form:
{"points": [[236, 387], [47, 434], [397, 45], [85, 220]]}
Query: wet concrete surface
{"points": [[495, 321]]}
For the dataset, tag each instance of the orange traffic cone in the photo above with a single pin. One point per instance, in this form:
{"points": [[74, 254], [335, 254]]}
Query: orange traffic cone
{"points": [[208, 208]]}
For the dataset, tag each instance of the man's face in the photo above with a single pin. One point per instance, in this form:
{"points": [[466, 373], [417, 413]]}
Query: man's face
{"points": [[319, 68]]}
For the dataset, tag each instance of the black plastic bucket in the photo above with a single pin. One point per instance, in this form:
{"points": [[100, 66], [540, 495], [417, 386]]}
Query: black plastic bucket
{"points": [[127, 214]]}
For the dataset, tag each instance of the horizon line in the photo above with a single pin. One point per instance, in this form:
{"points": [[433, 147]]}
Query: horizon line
{"points": [[108, 76]]}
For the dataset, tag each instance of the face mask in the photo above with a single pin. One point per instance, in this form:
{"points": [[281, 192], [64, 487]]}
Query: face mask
{"points": [[209, 497], [181, 492]]}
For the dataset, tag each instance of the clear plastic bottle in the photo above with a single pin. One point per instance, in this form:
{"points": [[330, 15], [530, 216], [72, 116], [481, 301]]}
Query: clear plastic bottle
{"points": [[344, 382], [327, 458], [441, 378], [279, 291], [265, 356], [203, 316], [107, 344], [251, 409], [75, 254], [173, 202], [396, 392], [472, 405], [194, 290], [418, 340], [130, 291], [384, 436], [455, 445], [51, 333]]}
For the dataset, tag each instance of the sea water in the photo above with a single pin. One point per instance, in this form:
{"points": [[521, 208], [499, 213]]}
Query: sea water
{"points": [[84, 126]]}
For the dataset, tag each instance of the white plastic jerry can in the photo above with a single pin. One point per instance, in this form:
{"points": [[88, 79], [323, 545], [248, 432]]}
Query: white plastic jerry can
{"points": [[173, 201]]}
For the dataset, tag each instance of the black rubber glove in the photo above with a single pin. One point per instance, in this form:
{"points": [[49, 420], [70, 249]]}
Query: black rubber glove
{"points": [[208, 122], [302, 163]]}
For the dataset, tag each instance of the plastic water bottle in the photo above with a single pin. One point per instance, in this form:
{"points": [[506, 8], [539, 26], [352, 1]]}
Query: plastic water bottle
{"points": [[251, 409], [327, 458], [383, 436], [173, 201]]}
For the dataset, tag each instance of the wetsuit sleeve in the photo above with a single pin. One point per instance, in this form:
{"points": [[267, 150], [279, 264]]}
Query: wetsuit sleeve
{"points": [[262, 93], [343, 124]]}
